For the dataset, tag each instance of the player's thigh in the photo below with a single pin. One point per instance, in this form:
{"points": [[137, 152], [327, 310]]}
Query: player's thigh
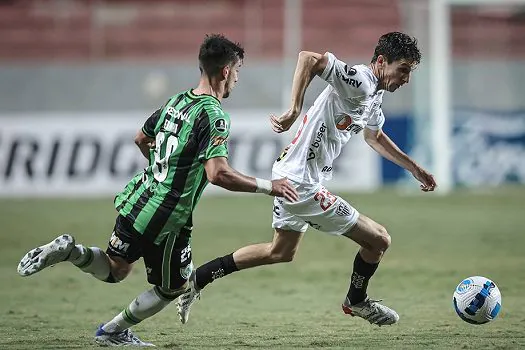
{"points": [[168, 264], [324, 211], [124, 247], [285, 221], [369, 234]]}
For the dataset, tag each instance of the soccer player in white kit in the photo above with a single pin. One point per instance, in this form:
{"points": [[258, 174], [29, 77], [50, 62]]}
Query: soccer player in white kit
{"points": [[348, 106]]}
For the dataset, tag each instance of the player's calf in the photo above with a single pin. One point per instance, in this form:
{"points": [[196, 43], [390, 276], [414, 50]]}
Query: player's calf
{"points": [[91, 260]]}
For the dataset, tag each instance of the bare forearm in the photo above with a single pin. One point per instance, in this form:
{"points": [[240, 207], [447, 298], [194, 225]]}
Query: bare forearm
{"points": [[388, 149], [304, 73], [232, 180]]}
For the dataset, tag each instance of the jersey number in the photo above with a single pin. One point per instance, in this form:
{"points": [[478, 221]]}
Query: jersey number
{"points": [[325, 199], [160, 168]]}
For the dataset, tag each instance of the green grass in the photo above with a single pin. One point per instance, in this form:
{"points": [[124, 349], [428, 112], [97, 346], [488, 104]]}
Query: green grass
{"points": [[437, 241]]}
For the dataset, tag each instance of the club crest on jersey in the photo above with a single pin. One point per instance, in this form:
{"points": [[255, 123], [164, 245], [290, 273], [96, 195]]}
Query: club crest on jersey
{"points": [[221, 125], [185, 272], [343, 210], [344, 122]]}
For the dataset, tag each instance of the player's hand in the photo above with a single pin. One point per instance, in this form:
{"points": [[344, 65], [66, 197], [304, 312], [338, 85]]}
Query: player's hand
{"points": [[284, 122], [428, 184], [283, 188]]}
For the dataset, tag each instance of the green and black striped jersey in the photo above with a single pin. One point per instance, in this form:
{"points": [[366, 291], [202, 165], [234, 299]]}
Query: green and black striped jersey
{"points": [[187, 130]]}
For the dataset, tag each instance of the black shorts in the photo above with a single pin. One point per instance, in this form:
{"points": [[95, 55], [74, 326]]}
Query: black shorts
{"points": [[168, 264]]}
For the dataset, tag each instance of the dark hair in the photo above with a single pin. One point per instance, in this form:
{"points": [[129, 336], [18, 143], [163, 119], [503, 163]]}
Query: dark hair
{"points": [[396, 46], [217, 52]]}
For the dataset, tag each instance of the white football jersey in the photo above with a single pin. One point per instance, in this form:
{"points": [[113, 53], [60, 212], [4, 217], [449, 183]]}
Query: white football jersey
{"points": [[350, 103]]}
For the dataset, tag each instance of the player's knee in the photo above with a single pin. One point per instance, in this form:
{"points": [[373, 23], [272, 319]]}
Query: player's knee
{"points": [[383, 240], [170, 294], [282, 256], [120, 269]]}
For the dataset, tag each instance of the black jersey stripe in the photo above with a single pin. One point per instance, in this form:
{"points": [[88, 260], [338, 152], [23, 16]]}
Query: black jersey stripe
{"points": [[187, 158], [202, 184], [125, 200], [141, 202]]}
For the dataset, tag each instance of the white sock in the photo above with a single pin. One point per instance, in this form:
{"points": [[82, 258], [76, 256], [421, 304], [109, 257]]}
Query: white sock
{"points": [[91, 260], [145, 305]]}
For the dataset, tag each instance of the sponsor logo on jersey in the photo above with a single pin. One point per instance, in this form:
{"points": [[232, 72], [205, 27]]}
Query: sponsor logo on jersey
{"points": [[317, 142], [221, 125], [117, 244], [176, 114], [218, 140], [345, 123], [352, 82], [350, 71]]}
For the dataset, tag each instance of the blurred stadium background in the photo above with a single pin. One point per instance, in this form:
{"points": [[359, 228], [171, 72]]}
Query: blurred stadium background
{"points": [[79, 77], [105, 65]]}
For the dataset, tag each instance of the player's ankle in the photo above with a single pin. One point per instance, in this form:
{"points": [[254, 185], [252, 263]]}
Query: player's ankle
{"points": [[354, 300]]}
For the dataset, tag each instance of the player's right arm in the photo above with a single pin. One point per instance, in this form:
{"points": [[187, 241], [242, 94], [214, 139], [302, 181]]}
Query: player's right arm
{"points": [[212, 135], [221, 174], [145, 138], [308, 65]]}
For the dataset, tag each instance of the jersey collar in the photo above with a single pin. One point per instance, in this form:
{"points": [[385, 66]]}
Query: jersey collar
{"points": [[192, 95]]}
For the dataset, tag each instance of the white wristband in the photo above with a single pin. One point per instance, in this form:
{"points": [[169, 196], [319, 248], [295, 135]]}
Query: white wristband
{"points": [[263, 186]]}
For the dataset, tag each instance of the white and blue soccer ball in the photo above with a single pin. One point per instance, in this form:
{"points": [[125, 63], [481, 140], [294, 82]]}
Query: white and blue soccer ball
{"points": [[477, 300]]}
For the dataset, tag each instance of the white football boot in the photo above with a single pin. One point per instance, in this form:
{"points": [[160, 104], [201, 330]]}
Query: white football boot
{"points": [[47, 255], [371, 311], [124, 338], [187, 299]]}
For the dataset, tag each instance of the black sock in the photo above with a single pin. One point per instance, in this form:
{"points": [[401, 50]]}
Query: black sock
{"points": [[359, 281], [214, 269]]}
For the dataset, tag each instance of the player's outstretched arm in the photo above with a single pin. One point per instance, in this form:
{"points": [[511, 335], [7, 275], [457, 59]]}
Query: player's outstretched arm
{"points": [[144, 142], [383, 145], [308, 65], [221, 174]]}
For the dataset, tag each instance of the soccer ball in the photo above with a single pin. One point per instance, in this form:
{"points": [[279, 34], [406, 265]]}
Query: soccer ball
{"points": [[477, 300]]}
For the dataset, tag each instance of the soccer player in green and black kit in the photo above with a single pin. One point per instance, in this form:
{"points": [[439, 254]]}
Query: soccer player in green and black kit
{"points": [[185, 143]]}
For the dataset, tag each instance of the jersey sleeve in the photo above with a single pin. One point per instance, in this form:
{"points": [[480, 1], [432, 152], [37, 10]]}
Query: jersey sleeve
{"points": [[213, 134], [347, 81], [377, 120], [149, 126]]}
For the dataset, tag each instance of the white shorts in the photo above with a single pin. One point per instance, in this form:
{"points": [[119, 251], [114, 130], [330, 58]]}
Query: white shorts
{"points": [[317, 208]]}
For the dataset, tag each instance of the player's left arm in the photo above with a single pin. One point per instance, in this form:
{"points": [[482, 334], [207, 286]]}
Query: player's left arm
{"points": [[383, 145]]}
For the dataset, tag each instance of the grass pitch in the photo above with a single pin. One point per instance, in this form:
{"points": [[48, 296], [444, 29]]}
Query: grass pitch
{"points": [[437, 241]]}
